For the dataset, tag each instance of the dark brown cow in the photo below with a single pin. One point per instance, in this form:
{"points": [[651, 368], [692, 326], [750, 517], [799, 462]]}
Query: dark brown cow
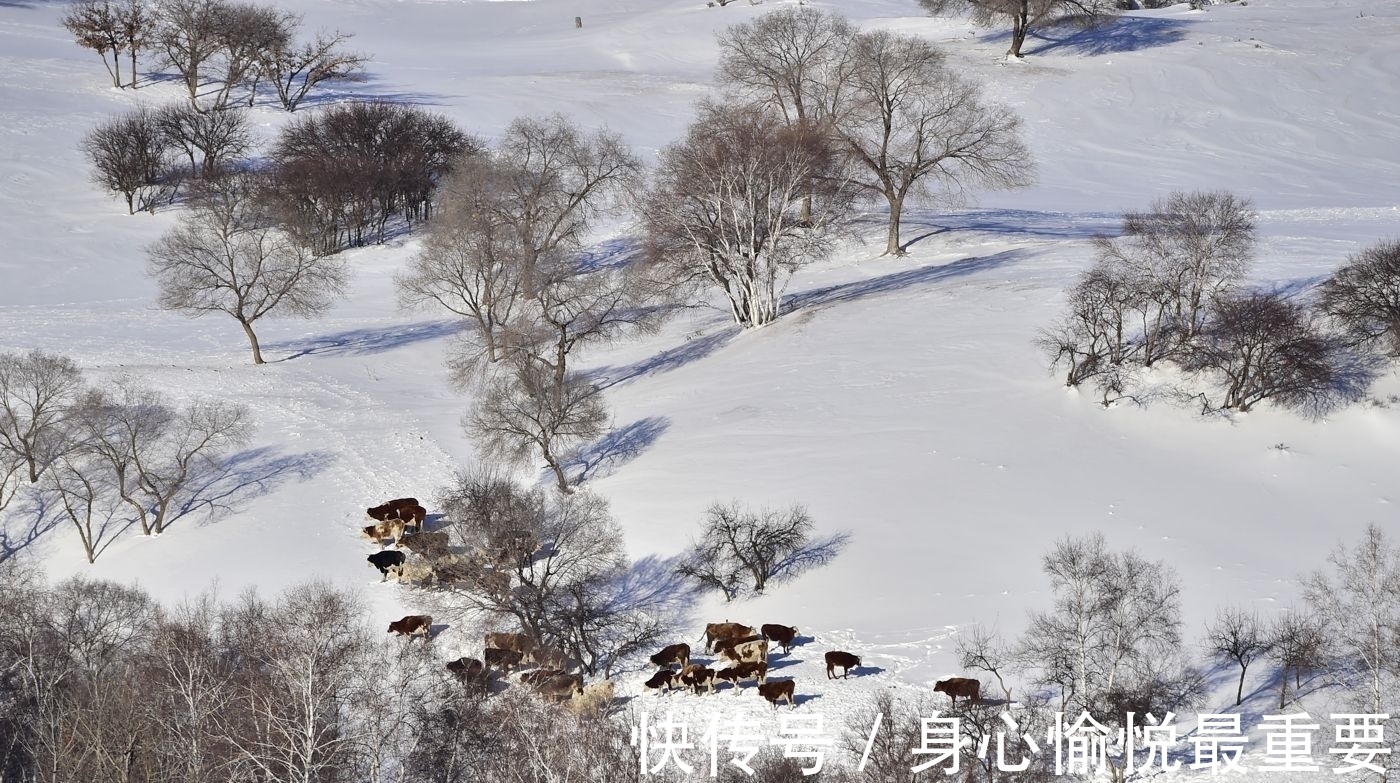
{"points": [[551, 657], [663, 680], [390, 510], [782, 634], [697, 677], [959, 686], [413, 625], [843, 659], [776, 690], [754, 670], [468, 669], [561, 686], [497, 658], [726, 630], [412, 516], [678, 654]]}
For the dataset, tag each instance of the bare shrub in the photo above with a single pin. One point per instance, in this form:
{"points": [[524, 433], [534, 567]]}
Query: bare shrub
{"points": [[765, 547], [188, 38], [295, 69], [131, 156], [38, 393], [212, 140], [1364, 296], [725, 208], [1297, 644], [223, 257], [1239, 638], [245, 34]]}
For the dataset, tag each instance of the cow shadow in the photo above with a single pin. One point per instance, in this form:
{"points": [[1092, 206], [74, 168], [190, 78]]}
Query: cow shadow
{"points": [[899, 281], [1115, 35], [367, 341], [621, 445], [783, 663], [695, 347], [867, 671], [800, 699], [246, 475]]}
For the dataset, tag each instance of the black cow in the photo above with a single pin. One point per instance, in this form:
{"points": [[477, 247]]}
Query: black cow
{"points": [[386, 560]]}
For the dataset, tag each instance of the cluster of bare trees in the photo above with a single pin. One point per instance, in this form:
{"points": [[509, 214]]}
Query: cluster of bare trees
{"points": [[223, 51], [738, 546], [1170, 290], [105, 458], [816, 116], [1027, 15], [505, 252], [101, 684], [553, 565]]}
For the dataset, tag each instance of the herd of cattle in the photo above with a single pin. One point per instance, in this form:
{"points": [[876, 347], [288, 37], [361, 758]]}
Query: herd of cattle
{"points": [[741, 650]]}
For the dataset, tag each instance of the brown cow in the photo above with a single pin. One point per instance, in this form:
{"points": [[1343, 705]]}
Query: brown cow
{"points": [[391, 529], [413, 625], [749, 648], [412, 516], [468, 670], [561, 687], [959, 686], [843, 659], [663, 680], [390, 510], [678, 654], [540, 675], [697, 677], [755, 670], [726, 630], [551, 657], [497, 658], [782, 634], [777, 690], [518, 642]]}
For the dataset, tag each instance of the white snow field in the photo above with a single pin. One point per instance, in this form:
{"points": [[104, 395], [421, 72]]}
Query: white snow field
{"points": [[901, 400]]}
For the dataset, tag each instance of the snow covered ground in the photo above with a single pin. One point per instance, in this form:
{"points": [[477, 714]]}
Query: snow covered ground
{"points": [[901, 400]]}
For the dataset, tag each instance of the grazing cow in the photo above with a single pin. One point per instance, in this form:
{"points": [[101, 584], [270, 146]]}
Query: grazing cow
{"points": [[386, 560], [497, 658], [596, 699], [663, 680], [468, 669], [561, 686], [552, 657], [757, 671], [726, 630], [843, 659], [782, 634], [698, 676], [518, 642], [750, 648], [391, 529], [536, 676], [412, 516], [777, 690], [678, 654], [959, 686], [426, 544], [413, 625]]}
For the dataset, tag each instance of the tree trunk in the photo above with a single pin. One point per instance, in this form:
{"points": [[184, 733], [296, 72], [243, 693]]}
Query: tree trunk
{"points": [[133, 68], [33, 465], [558, 469], [253, 341], [892, 247], [1239, 692], [1020, 24]]}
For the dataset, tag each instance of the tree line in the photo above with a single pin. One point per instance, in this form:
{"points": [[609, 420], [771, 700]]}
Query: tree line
{"points": [[1170, 290]]}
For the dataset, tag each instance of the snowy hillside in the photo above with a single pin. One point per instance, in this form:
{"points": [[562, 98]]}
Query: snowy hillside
{"points": [[899, 399]]}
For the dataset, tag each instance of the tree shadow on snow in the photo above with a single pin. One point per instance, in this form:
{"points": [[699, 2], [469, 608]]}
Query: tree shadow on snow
{"points": [[898, 281], [693, 349], [244, 476], [1032, 224], [616, 448], [26, 521], [1115, 35], [368, 341]]}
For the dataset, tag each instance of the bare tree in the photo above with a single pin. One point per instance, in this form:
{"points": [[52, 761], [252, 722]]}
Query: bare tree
{"points": [[795, 61], [211, 139], [1026, 15], [1364, 296], [95, 25], [296, 69], [223, 258], [12, 468], [471, 263], [38, 392], [1358, 602], [1296, 644], [1265, 347], [137, 22], [768, 546], [523, 411], [188, 37], [1097, 332], [912, 126], [984, 649], [83, 492], [724, 209], [246, 35], [1238, 637], [131, 156]]}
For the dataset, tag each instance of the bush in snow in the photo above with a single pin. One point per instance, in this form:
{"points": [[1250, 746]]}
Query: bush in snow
{"points": [[1364, 296], [738, 546], [130, 155]]}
